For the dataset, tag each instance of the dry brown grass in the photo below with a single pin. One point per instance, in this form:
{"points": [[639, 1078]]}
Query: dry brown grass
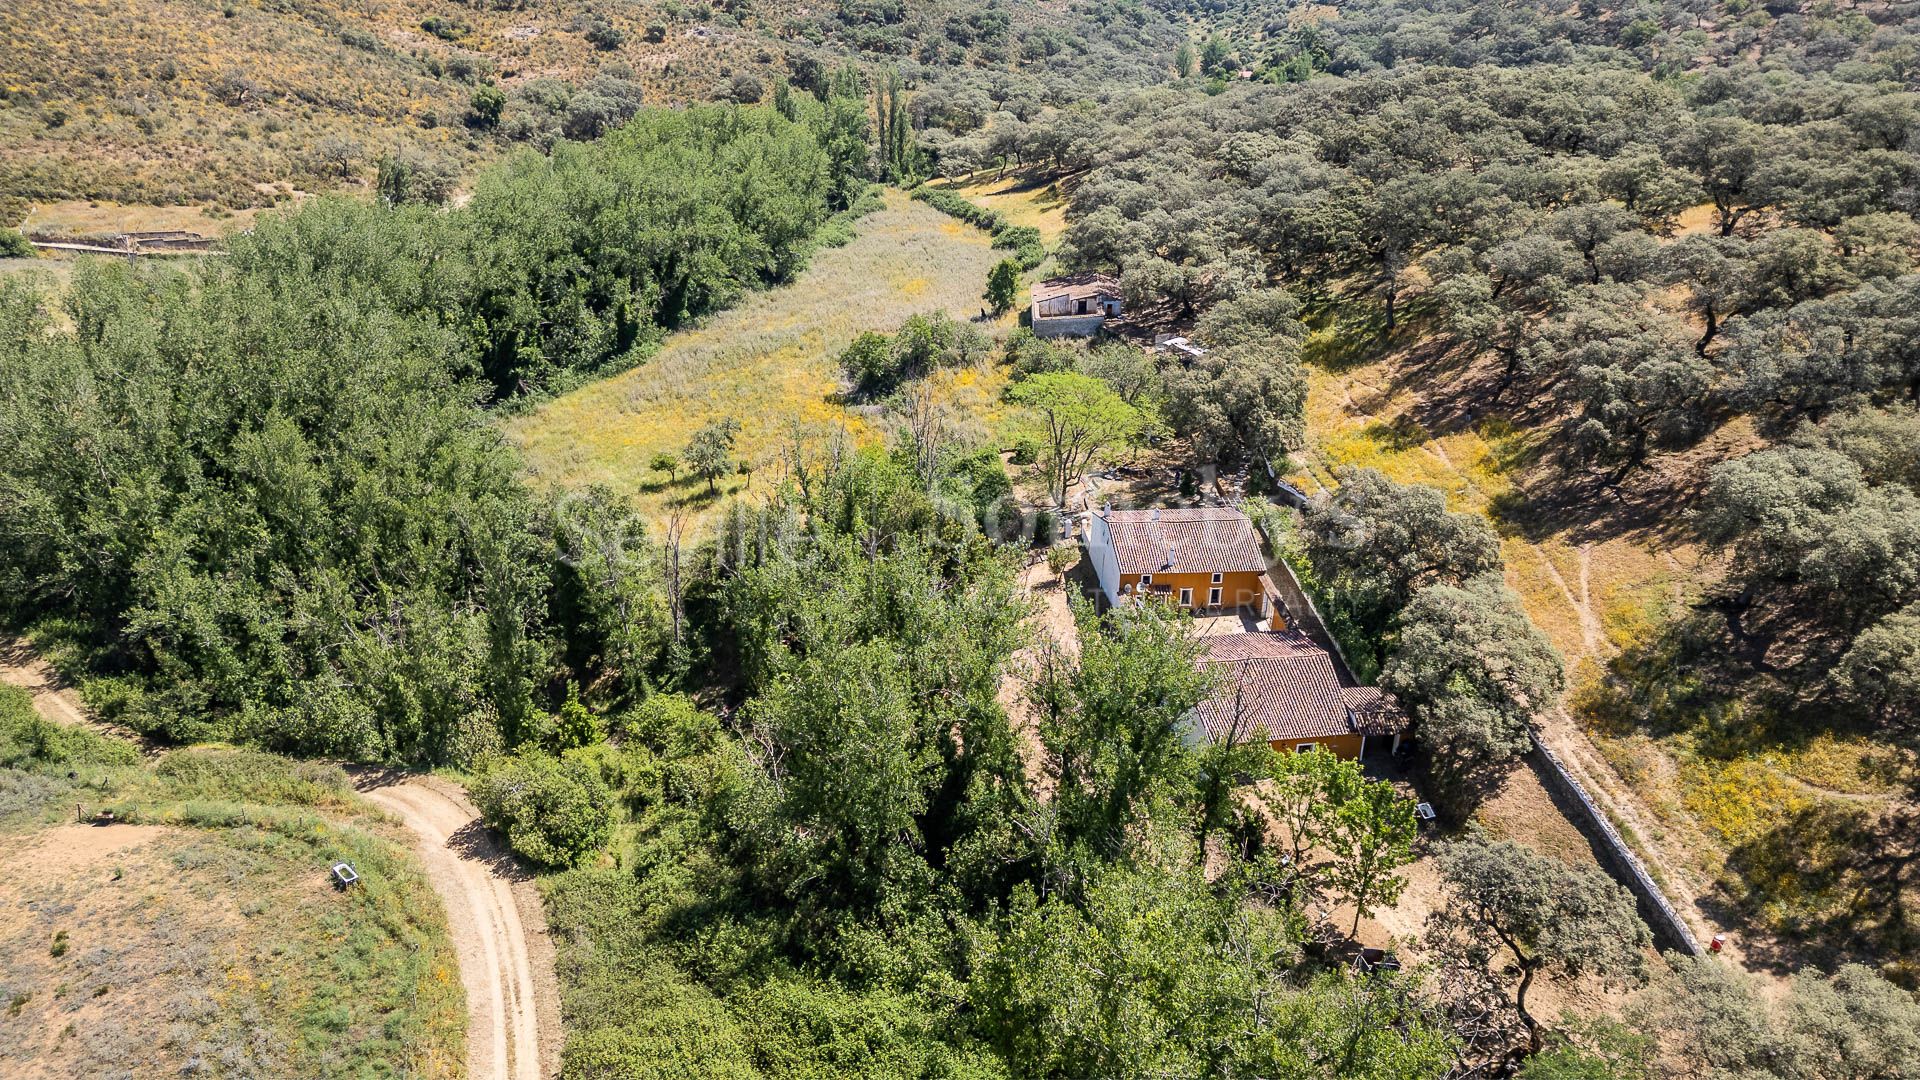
{"points": [[123, 98], [79, 217], [144, 950], [770, 362], [126, 99]]}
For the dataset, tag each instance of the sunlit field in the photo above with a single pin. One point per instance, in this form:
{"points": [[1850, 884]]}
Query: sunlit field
{"points": [[770, 362]]}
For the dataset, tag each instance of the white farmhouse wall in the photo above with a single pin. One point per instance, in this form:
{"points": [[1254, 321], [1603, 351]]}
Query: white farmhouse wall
{"points": [[1106, 564]]}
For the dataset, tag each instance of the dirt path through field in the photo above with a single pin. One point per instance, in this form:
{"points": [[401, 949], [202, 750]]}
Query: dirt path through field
{"points": [[52, 698], [499, 932]]}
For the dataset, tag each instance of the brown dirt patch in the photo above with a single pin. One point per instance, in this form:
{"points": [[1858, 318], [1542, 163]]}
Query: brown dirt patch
{"points": [[135, 951]]}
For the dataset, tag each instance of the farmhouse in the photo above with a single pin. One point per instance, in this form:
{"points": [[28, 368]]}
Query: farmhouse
{"points": [[1078, 304], [1204, 559], [1281, 688]]}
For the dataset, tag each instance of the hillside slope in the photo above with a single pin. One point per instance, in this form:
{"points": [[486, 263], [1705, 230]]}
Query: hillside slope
{"points": [[244, 102]]}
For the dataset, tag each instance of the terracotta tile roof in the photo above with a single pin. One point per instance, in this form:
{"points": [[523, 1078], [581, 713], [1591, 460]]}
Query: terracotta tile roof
{"points": [[1281, 686], [1203, 540], [1375, 712], [1077, 286], [1258, 645], [1292, 696]]}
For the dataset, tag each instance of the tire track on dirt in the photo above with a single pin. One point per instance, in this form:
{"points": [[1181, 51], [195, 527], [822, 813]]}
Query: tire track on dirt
{"points": [[52, 697], [493, 911], [498, 930]]}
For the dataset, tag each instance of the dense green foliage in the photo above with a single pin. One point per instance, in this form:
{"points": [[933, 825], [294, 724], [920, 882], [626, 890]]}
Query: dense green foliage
{"points": [[1550, 918], [1003, 285], [1823, 532], [1420, 586], [555, 813], [1622, 229], [575, 262], [13, 245], [328, 552], [858, 875], [1848, 1024], [1080, 418], [261, 495], [878, 364], [28, 739]]}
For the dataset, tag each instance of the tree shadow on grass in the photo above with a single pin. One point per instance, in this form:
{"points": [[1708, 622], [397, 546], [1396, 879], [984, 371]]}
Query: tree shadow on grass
{"points": [[700, 498], [1837, 878]]}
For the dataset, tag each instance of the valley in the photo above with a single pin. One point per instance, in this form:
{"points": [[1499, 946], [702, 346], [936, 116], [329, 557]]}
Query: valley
{"points": [[960, 540]]}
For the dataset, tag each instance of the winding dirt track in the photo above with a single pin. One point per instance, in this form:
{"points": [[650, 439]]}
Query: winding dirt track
{"points": [[493, 910], [499, 933]]}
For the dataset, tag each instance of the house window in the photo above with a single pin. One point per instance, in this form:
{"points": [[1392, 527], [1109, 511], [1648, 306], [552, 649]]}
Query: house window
{"points": [[1146, 579], [1186, 597], [1304, 747], [1218, 578], [1213, 597]]}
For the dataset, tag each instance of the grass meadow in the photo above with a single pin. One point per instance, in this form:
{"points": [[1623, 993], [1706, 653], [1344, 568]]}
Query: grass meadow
{"points": [[771, 362], [1024, 201], [200, 935]]}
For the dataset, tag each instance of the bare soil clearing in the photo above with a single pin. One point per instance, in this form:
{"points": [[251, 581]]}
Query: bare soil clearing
{"points": [[499, 931]]}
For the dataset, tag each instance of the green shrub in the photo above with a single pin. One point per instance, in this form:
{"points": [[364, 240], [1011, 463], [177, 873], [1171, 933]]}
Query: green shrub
{"points": [[14, 246], [444, 28], [28, 739], [553, 812], [575, 725], [218, 773]]}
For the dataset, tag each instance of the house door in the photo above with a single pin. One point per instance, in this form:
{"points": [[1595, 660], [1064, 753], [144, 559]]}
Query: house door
{"points": [[1080, 307]]}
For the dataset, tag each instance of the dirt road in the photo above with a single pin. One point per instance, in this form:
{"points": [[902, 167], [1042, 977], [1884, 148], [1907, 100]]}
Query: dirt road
{"points": [[52, 698], [493, 910], [499, 933]]}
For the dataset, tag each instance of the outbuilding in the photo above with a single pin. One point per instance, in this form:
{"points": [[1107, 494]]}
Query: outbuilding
{"points": [[1075, 305]]}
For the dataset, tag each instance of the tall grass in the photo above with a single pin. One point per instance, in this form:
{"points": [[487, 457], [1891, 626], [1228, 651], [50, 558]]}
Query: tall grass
{"points": [[770, 362]]}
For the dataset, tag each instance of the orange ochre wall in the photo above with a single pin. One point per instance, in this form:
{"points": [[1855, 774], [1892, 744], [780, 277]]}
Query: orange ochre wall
{"points": [[1346, 746], [1238, 589]]}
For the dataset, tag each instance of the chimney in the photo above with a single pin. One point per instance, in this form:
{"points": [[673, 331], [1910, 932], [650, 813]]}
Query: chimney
{"points": [[1172, 550]]}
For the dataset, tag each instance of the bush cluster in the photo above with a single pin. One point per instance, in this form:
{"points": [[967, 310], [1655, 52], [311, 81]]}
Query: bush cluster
{"points": [[555, 812], [1022, 240]]}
